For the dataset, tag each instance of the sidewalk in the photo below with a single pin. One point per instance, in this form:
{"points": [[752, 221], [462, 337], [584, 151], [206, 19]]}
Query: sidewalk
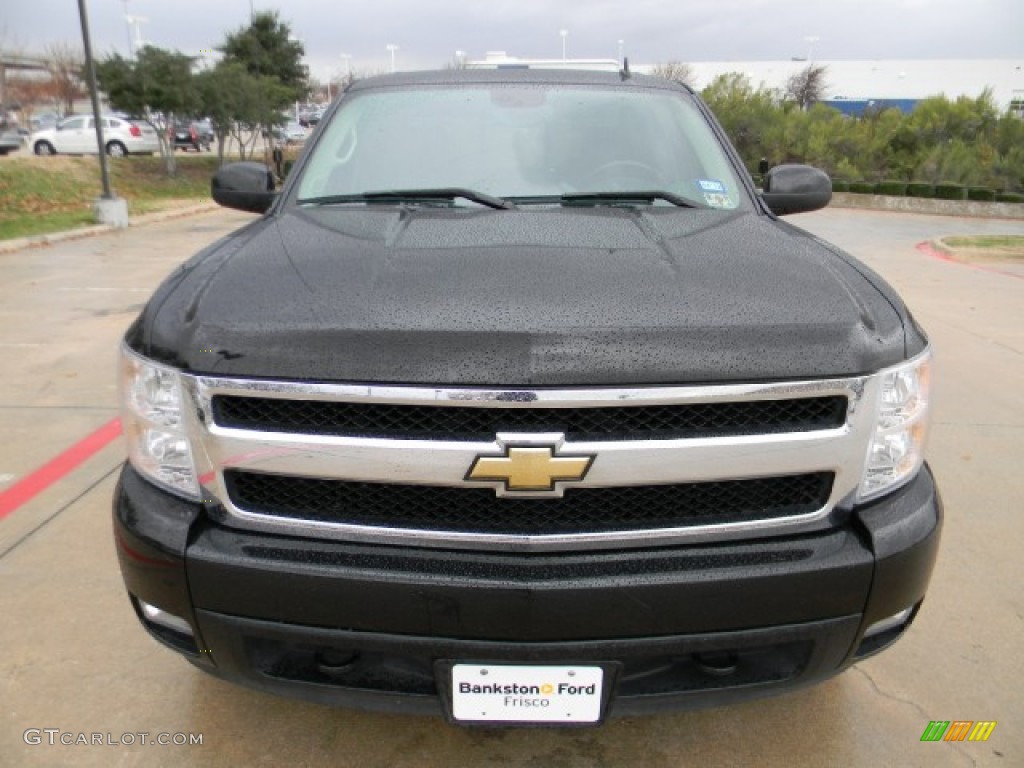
{"points": [[19, 243]]}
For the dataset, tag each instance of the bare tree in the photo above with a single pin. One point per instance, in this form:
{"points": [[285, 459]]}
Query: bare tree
{"points": [[346, 80], [807, 86], [458, 61], [676, 71], [66, 63], [32, 91], [318, 89]]}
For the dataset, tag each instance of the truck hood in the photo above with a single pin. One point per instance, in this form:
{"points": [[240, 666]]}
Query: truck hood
{"points": [[535, 297]]}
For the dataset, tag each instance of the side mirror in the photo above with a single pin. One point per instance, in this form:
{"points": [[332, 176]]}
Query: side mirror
{"points": [[245, 186], [796, 189]]}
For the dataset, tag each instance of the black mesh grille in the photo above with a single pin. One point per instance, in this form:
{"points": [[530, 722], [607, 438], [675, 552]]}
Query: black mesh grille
{"points": [[641, 422], [478, 510]]}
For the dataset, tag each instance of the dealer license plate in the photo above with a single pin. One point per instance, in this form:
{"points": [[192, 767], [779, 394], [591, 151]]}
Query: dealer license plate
{"points": [[526, 694]]}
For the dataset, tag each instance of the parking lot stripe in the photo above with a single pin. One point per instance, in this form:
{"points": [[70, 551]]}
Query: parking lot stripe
{"points": [[58, 467]]}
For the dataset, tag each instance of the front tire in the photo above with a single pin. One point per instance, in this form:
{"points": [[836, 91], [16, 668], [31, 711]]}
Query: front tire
{"points": [[116, 149], [43, 148]]}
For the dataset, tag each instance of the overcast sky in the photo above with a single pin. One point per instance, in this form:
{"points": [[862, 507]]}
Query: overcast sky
{"points": [[428, 32]]}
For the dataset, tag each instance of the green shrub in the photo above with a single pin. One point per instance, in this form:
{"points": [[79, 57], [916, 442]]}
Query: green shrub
{"points": [[862, 187], [758, 180], [890, 187], [920, 189], [840, 185], [1010, 197], [982, 194], [968, 141], [846, 170], [950, 192]]}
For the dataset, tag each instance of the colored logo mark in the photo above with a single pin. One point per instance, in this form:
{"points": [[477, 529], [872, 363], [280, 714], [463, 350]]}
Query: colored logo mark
{"points": [[958, 730]]}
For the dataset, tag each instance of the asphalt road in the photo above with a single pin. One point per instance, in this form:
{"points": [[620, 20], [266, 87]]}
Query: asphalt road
{"points": [[75, 662]]}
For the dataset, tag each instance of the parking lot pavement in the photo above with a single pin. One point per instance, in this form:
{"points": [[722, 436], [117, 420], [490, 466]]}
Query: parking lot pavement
{"points": [[76, 664]]}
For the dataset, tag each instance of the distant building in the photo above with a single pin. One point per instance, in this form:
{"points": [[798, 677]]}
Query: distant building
{"points": [[853, 87], [856, 85], [501, 60], [858, 107]]}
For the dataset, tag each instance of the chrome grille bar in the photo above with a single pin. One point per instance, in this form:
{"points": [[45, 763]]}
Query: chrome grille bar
{"points": [[437, 462]]}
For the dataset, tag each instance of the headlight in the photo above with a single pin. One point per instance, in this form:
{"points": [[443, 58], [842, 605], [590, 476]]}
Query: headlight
{"points": [[151, 405], [896, 452]]}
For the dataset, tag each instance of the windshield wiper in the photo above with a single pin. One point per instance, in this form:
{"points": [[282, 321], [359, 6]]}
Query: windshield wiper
{"points": [[413, 196], [645, 196]]}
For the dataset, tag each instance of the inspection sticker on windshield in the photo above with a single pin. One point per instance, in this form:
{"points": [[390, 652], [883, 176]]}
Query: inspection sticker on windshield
{"points": [[715, 193], [709, 185], [522, 694]]}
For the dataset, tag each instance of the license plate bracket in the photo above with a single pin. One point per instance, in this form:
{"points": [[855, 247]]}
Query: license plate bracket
{"points": [[508, 693]]}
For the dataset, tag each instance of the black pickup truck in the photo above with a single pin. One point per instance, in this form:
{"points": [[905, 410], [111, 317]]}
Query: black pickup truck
{"points": [[519, 404]]}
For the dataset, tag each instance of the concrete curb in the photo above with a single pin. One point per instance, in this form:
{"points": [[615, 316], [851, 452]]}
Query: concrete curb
{"points": [[932, 207], [936, 249], [38, 241]]}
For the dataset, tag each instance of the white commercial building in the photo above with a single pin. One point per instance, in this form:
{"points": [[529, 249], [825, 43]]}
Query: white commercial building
{"points": [[897, 80], [888, 79]]}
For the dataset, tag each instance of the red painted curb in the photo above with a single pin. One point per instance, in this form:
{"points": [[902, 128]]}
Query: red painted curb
{"points": [[42, 478], [930, 250]]}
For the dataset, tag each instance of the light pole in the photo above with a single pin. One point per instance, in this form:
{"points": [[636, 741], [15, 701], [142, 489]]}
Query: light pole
{"points": [[134, 33], [347, 58], [811, 40], [135, 23], [564, 33], [109, 208], [127, 18], [90, 76], [392, 47]]}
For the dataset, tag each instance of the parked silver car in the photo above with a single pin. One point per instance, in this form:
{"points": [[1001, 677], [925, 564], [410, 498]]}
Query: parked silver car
{"points": [[10, 139], [77, 136]]}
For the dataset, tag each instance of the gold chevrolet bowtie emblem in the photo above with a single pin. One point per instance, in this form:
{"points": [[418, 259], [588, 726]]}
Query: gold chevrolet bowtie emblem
{"points": [[533, 468]]}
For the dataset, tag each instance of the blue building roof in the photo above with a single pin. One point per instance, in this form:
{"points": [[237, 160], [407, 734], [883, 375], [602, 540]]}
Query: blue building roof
{"points": [[857, 107]]}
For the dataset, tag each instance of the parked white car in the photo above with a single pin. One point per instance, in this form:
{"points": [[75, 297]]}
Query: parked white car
{"points": [[289, 133], [77, 136]]}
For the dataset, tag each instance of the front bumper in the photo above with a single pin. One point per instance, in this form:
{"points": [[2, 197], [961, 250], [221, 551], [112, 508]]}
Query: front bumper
{"points": [[376, 626]]}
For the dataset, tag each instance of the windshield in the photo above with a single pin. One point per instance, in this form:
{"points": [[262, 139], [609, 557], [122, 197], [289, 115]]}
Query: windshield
{"points": [[521, 142]]}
